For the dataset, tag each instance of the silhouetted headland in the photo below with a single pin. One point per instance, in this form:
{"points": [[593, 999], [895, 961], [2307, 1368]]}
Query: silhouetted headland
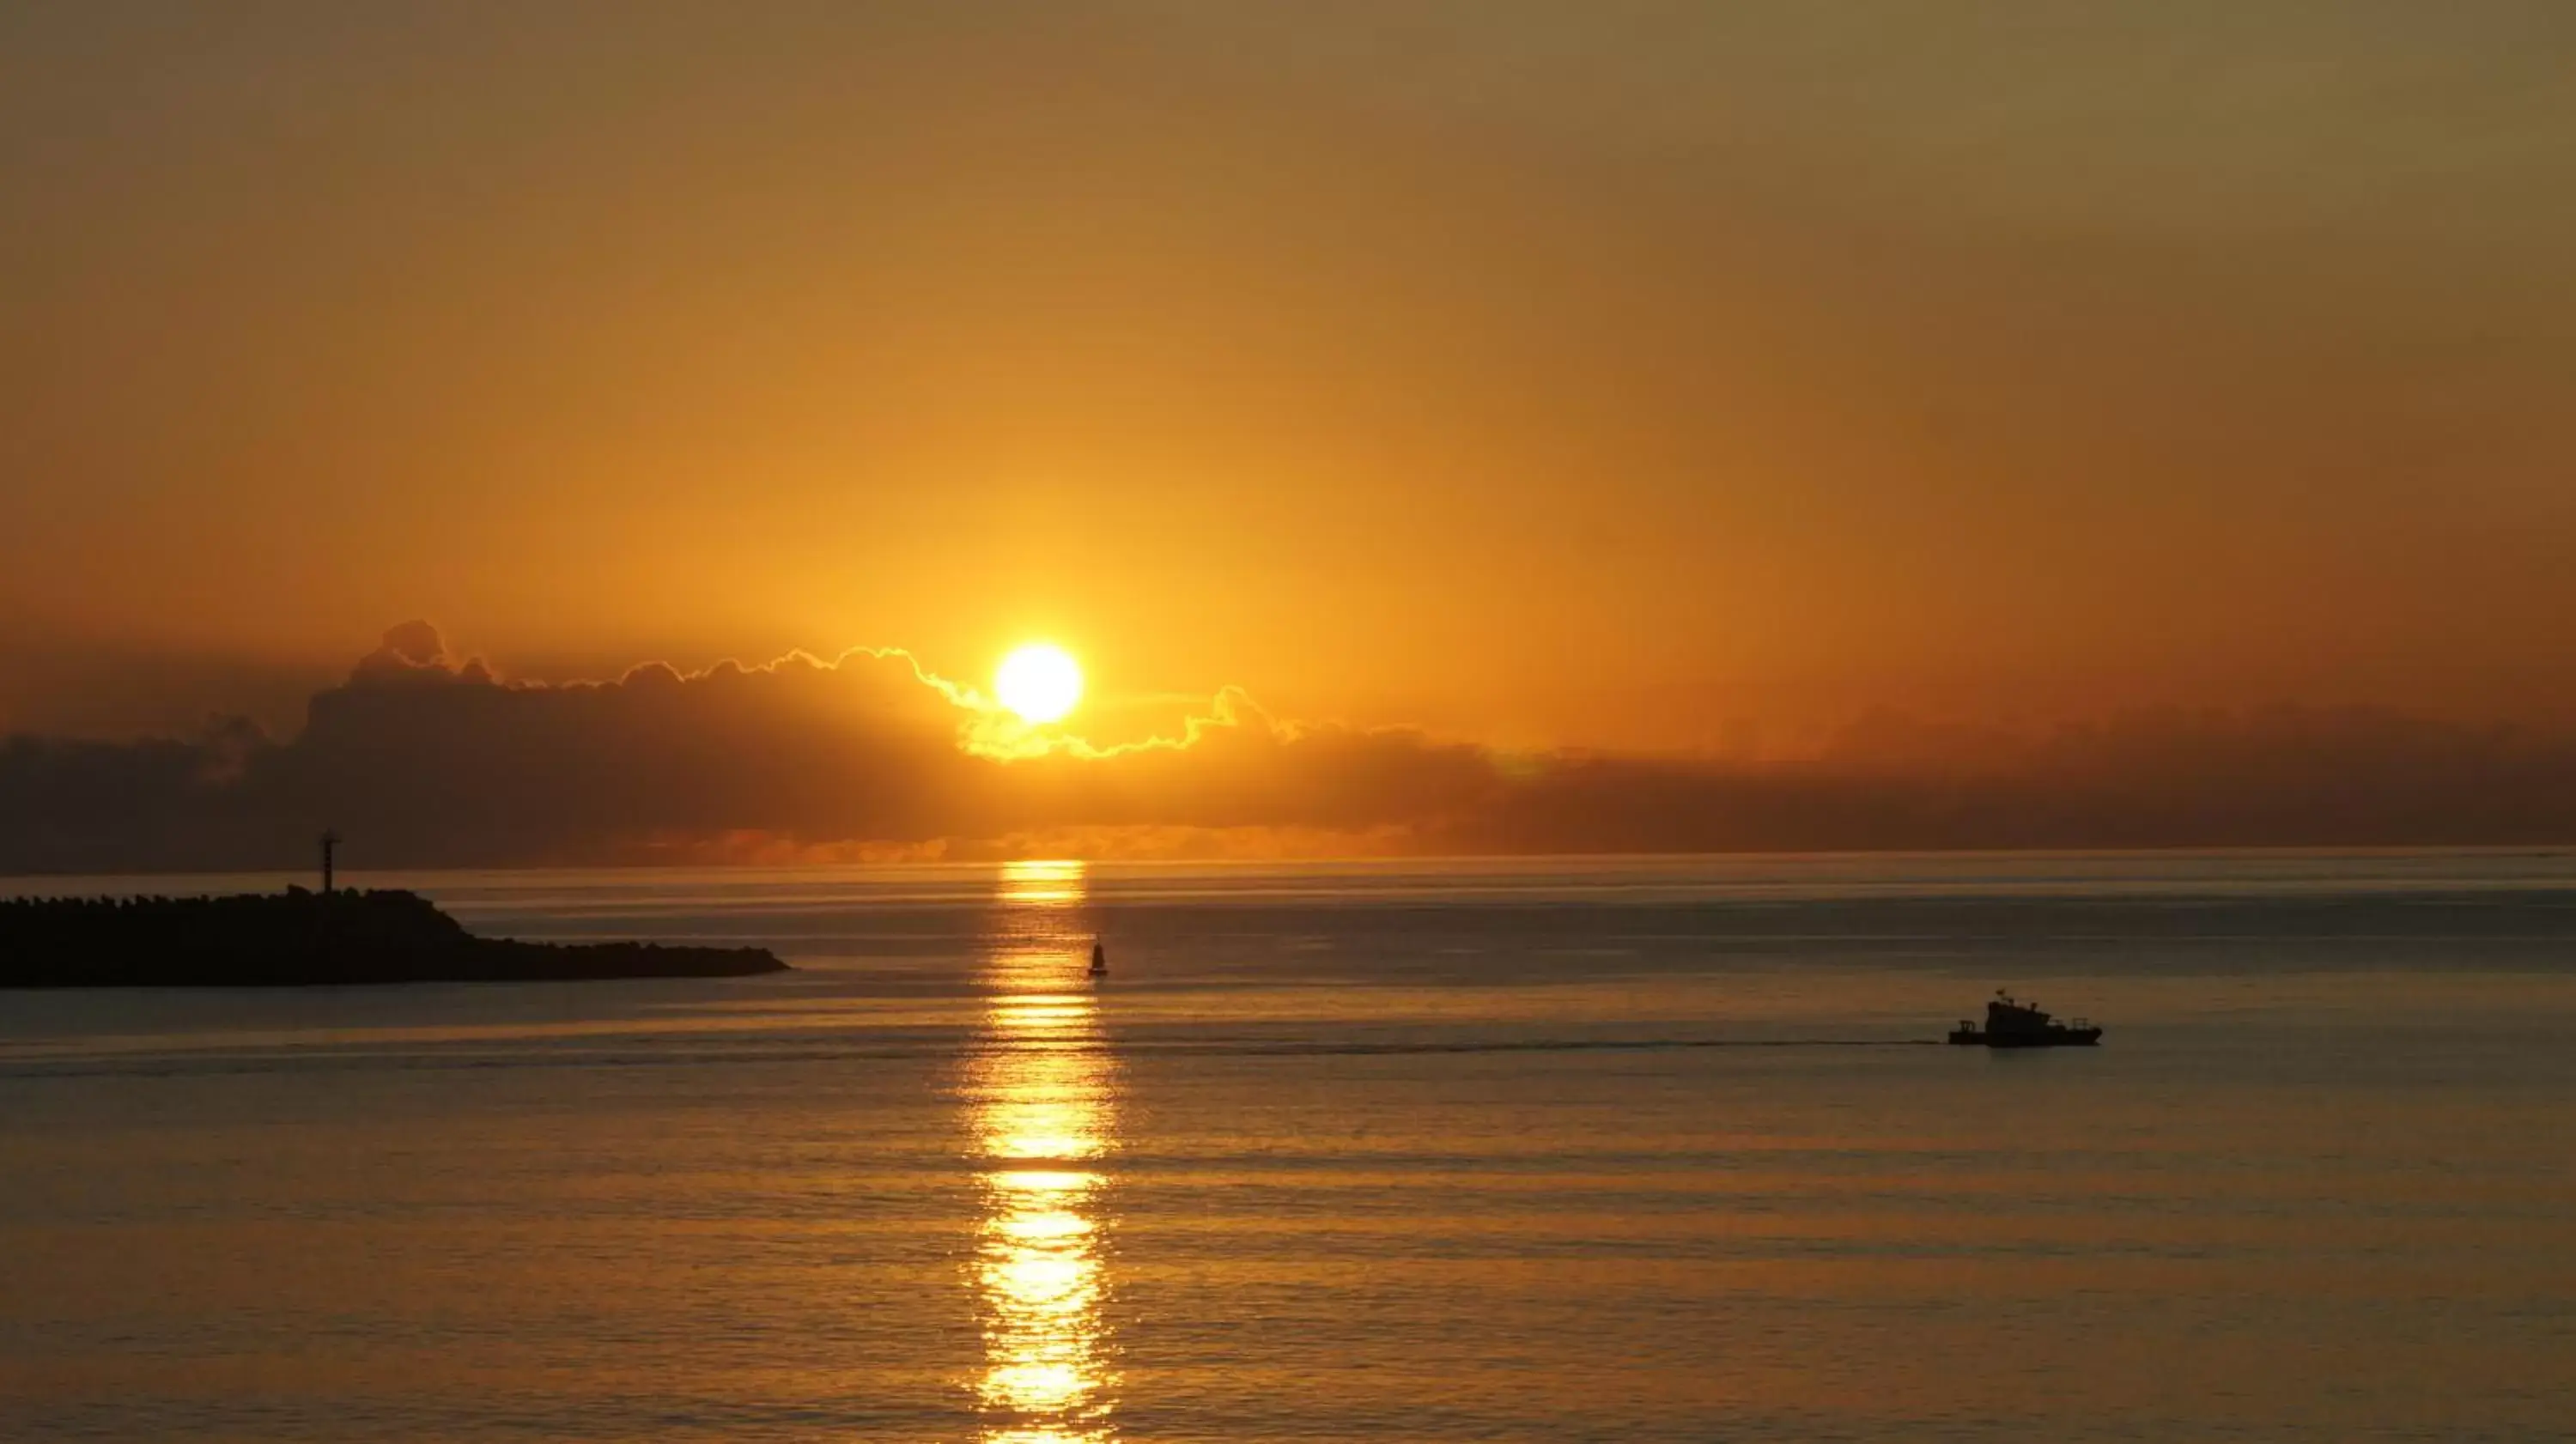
{"points": [[299, 937]]}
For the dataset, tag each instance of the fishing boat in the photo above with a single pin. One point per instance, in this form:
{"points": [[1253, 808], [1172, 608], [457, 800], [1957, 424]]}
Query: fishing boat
{"points": [[2011, 1024]]}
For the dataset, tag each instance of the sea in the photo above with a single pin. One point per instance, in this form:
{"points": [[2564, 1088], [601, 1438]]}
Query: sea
{"points": [[1543, 1150]]}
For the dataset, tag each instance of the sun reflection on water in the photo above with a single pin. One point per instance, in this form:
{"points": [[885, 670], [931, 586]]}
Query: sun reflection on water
{"points": [[1040, 1090]]}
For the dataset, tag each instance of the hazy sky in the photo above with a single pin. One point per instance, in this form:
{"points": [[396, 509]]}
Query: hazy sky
{"points": [[1617, 373]]}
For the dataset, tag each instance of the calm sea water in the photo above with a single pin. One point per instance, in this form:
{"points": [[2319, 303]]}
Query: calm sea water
{"points": [[1538, 1151]]}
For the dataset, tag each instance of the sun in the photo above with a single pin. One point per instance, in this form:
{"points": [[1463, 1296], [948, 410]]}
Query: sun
{"points": [[1040, 681]]}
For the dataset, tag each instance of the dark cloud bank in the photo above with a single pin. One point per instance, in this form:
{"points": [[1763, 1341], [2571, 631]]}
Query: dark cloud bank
{"points": [[429, 761]]}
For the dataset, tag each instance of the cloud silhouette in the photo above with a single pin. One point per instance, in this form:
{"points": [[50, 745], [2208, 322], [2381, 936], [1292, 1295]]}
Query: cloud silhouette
{"points": [[427, 759], [415, 652]]}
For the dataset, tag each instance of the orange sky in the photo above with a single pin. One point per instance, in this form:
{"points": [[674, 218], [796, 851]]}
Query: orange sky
{"points": [[1639, 375]]}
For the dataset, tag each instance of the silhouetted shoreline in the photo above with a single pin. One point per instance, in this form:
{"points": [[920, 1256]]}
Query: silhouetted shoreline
{"points": [[300, 938]]}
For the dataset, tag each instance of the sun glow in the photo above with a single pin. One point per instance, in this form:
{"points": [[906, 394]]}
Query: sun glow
{"points": [[1040, 682]]}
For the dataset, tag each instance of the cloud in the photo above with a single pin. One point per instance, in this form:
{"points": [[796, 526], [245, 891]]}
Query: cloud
{"points": [[415, 652], [423, 758]]}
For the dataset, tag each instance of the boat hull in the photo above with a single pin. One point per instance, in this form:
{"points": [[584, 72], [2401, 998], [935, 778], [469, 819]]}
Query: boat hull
{"points": [[2052, 1038]]}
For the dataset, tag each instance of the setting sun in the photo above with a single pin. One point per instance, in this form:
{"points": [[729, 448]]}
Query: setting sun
{"points": [[1040, 682]]}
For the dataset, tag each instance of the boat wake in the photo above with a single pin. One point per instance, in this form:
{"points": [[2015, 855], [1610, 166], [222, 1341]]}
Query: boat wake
{"points": [[639, 1053]]}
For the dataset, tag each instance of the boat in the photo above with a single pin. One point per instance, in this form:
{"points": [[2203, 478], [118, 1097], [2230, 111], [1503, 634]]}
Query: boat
{"points": [[2011, 1024], [1099, 961]]}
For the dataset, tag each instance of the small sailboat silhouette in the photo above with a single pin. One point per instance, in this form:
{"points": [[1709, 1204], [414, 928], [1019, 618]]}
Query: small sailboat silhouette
{"points": [[1099, 961]]}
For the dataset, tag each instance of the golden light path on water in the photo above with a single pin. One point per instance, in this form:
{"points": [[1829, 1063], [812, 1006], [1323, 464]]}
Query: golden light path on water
{"points": [[1040, 1089]]}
